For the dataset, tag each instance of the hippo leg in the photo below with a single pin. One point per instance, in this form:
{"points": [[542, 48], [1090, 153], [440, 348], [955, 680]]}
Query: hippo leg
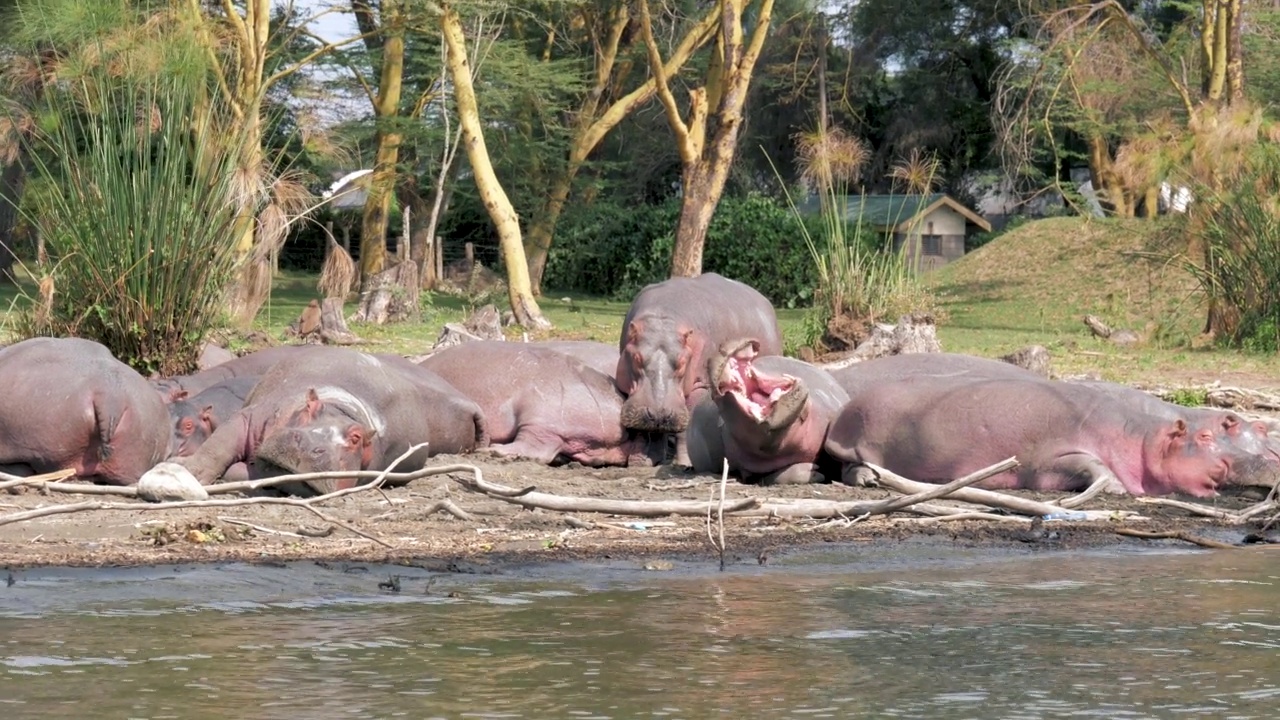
{"points": [[859, 476], [1077, 471], [798, 474], [525, 449]]}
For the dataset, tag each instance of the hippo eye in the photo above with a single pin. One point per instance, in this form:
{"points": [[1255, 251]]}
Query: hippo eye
{"points": [[317, 451]]}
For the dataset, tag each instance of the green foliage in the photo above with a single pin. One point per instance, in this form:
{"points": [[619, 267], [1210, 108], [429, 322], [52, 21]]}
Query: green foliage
{"points": [[607, 249], [138, 195], [1190, 397], [1239, 227], [860, 275]]}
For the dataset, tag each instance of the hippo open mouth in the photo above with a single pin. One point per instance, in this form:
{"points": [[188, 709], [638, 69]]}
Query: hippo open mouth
{"points": [[756, 393]]}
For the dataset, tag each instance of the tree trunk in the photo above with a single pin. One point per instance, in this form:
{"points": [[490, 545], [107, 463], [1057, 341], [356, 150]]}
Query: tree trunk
{"points": [[1106, 183], [697, 205], [386, 106], [12, 181], [490, 189], [705, 164]]}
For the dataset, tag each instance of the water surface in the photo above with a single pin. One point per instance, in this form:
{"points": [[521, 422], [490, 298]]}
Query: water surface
{"points": [[927, 633]]}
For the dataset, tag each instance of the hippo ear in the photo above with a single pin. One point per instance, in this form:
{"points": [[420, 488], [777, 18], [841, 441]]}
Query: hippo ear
{"points": [[206, 417], [686, 352], [177, 394], [1178, 429], [313, 405]]}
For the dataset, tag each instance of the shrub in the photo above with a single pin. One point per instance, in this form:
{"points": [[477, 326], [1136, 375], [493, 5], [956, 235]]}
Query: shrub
{"points": [[139, 194], [607, 249], [1238, 228]]}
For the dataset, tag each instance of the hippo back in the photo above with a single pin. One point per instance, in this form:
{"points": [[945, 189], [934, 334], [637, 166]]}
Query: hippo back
{"points": [[71, 404], [854, 378]]}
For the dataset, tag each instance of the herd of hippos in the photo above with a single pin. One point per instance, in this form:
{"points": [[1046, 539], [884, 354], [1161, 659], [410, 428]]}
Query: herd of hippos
{"points": [[699, 359]]}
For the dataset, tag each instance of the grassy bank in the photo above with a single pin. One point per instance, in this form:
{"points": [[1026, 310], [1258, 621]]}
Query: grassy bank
{"points": [[1033, 284]]}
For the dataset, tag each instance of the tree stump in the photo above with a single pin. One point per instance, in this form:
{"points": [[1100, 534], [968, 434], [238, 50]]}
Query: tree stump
{"points": [[322, 323], [914, 333], [391, 295], [1032, 357], [483, 324]]}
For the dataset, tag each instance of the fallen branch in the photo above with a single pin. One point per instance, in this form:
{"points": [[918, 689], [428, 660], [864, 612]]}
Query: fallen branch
{"points": [[936, 491], [1176, 535], [1080, 498], [447, 507], [258, 528], [1196, 509], [989, 498], [305, 503], [13, 481]]}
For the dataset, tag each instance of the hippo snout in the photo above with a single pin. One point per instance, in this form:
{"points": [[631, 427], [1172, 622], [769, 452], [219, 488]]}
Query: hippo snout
{"points": [[640, 416]]}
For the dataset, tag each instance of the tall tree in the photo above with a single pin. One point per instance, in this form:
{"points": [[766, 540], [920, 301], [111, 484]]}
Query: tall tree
{"points": [[241, 43], [503, 214], [605, 27], [708, 140], [381, 24]]}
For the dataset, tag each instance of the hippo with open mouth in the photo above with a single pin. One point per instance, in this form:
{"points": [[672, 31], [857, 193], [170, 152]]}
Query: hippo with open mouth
{"points": [[768, 416]]}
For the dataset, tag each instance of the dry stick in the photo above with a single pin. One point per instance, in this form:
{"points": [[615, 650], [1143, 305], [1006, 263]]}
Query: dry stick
{"points": [[1195, 508], [78, 488], [724, 480], [294, 502], [12, 481], [1074, 501], [936, 491], [259, 528], [1176, 535], [971, 516], [447, 506], [988, 498]]}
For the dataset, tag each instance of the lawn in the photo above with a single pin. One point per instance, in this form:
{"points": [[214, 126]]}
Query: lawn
{"points": [[1031, 285]]}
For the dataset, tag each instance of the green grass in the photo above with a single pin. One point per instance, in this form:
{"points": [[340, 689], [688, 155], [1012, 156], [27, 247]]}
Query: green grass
{"points": [[1032, 285]]}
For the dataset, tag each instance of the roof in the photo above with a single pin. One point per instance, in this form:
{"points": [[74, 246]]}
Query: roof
{"points": [[898, 211]]}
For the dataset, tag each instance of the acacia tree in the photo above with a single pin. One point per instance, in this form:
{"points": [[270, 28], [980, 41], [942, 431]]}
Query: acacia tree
{"points": [[708, 140], [501, 212], [383, 30], [605, 29], [241, 43]]}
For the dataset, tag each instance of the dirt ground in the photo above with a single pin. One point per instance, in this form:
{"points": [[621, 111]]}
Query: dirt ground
{"points": [[501, 532]]}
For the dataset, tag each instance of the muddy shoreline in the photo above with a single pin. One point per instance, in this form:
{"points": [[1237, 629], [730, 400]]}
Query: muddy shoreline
{"points": [[502, 534]]}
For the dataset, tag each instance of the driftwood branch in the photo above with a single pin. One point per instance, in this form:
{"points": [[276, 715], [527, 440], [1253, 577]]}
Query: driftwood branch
{"points": [[12, 481], [1176, 535], [937, 491], [307, 503], [989, 498]]}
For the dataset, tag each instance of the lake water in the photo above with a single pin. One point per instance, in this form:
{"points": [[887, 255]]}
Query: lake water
{"points": [[928, 632]]}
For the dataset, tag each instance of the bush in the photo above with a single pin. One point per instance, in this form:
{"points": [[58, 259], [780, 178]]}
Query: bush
{"points": [[1239, 230], [138, 196], [607, 249]]}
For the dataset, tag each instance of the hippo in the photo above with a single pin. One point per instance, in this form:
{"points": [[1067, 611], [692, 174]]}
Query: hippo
{"points": [[856, 377], [1258, 462], [193, 419], [333, 409], [253, 364], [70, 404], [937, 428], [771, 420], [597, 355], [670, 333], [544, 405]]}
